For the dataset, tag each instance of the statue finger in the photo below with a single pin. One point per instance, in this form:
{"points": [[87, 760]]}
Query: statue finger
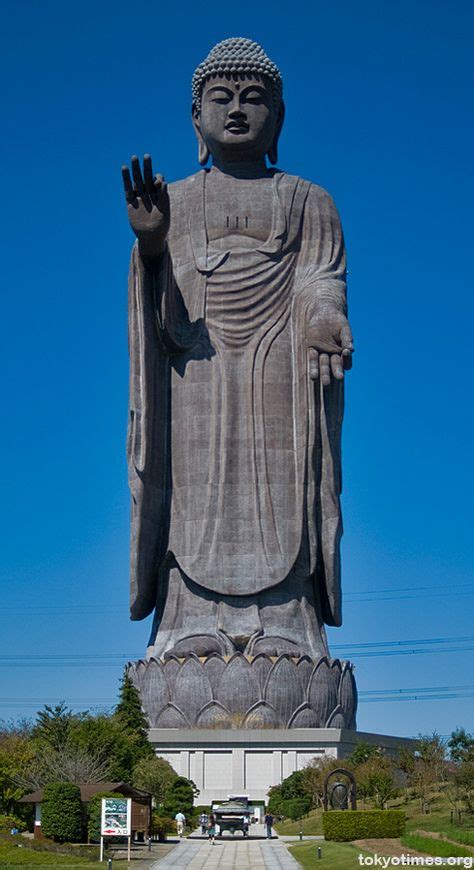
{"points": [[347, 341], [137, 175], [336, 366], [130, 194], [346, 359], [148, 174], [324, 369], [313, 359]]}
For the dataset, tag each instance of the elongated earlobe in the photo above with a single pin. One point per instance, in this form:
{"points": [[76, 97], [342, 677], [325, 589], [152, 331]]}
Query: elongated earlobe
{"points": [[272, 152], [203, 151]]}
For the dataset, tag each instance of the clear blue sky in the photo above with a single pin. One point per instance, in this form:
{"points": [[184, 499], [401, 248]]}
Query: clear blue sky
{"points": [[378, 98]]}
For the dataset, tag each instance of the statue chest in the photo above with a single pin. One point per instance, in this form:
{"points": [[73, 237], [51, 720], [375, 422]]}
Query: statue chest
{"points": [[239, 211]]}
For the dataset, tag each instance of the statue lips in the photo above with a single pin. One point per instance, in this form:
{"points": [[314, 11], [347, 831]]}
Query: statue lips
{"points": [[236, 127]]}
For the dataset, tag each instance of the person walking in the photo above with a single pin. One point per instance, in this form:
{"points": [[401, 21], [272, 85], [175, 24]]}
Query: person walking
{"points": [[180, 820], [269, 825], [211, 830], [204, 821]]}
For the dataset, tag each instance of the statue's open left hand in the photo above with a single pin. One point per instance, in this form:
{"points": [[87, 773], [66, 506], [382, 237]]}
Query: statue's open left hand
{"points": [[148, 206], [329, 338]]}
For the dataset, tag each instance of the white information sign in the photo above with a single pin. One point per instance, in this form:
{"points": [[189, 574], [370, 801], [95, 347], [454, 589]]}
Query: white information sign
{"points": [[116, 817]]}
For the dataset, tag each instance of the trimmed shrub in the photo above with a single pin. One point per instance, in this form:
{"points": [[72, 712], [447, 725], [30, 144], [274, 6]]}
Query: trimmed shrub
{"points": [[347, 825], [161, 826], [9, 822], [61, 812]]}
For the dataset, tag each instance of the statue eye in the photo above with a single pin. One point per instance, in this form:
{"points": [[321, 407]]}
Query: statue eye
{"points": [[221, 97]]}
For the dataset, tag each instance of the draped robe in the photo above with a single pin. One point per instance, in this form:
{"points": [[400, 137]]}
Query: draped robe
{"points": [[234, 452]]}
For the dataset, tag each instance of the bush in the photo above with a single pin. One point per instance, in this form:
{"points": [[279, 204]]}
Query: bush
{"points": [[94, 813], [350, 825], [61, 814], [294, 808], [161, 826], [180, 798], [9, 822]]}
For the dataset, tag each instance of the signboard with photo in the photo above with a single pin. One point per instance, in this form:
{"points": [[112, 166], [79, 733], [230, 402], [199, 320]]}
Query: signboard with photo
{"points": [[116, 817]]}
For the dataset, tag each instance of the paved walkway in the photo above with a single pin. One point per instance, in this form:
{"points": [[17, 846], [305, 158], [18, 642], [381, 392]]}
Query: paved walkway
{"points": [[227, 854]]}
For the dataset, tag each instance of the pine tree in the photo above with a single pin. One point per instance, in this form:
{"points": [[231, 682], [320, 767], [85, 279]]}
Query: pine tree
{"points": [[129, 709], [134, 723]]}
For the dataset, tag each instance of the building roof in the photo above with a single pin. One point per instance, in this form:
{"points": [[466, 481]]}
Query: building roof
{"points": [[89, 789]]}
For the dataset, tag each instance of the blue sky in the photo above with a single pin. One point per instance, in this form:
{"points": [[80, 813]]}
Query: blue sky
{"points": [[378, 98]]}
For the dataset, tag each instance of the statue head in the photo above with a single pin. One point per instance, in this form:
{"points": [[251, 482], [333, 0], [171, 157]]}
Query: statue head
{"points": [[238, 108]]}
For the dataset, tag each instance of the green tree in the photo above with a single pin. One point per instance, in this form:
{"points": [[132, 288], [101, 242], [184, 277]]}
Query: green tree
{"points": [[424, 767], [180, 798], [61, 813], [129, 709], [376, 779], [53, 725], [154, 775], [362, 753], [461, 746]]}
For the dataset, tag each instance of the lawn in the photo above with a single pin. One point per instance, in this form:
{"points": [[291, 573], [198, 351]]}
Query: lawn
{"points": [[21, 856], [311, 825], [337, 856], [435, 847]]}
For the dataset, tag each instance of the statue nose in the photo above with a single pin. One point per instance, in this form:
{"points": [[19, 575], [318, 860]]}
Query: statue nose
{"points": [[236, 112]]}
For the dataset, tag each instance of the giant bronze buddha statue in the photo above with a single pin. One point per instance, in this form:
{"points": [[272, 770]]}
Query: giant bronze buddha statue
{"points": [[239, 341]]}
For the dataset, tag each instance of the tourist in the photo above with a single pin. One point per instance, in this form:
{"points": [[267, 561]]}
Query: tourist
{"points": [[211, 831], [180, 820], [204, 821], [268, 825]]}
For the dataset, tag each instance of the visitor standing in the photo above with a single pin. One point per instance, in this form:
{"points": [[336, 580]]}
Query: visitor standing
{"points": [[204, 821], [269, 825]]}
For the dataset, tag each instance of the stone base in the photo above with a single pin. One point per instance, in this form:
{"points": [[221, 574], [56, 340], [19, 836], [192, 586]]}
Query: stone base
{"points": [[239, 762], [242, 691]]}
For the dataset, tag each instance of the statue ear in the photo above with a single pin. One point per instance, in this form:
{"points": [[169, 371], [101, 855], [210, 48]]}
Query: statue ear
{"points": [[273, 150], [203, 150]]}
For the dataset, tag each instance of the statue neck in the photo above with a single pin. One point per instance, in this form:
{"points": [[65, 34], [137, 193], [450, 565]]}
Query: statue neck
{"points": [[242, 169]]}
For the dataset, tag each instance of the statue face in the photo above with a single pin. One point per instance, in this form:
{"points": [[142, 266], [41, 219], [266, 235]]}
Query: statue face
{"points": [[238, 118]]}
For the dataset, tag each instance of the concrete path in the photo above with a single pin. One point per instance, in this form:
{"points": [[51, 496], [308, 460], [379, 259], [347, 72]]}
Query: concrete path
{"points": [[228, 854]]}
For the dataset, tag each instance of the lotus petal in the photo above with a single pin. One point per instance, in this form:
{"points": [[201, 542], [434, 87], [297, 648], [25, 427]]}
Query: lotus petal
{"points": [[283, 689], [154, 690], [304, 669], [336, 668], [140, 668], [322, 691], [347, 695], [336, 719], [261, 666], [213, 668], [262, 715], [238, 687], [171, 717], [171, 668], [303, 717], [213, 715], [192, 688]]}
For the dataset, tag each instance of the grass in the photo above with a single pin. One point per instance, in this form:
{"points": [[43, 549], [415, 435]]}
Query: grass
{"points": [[337, 856], [311, 825], [433, 846], [16, 856]]}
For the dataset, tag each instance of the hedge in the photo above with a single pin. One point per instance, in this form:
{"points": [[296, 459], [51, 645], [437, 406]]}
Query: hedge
{"points": [[347, 825]]}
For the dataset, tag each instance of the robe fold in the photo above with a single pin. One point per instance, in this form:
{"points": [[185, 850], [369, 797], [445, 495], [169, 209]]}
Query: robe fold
{"points": [[234, 452]]}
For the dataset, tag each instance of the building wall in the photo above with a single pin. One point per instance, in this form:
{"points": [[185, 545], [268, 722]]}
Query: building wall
{"points": [[223, 763]]}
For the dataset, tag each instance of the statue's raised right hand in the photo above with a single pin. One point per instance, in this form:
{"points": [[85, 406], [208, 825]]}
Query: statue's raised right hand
{"points": [[148, 206]]}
